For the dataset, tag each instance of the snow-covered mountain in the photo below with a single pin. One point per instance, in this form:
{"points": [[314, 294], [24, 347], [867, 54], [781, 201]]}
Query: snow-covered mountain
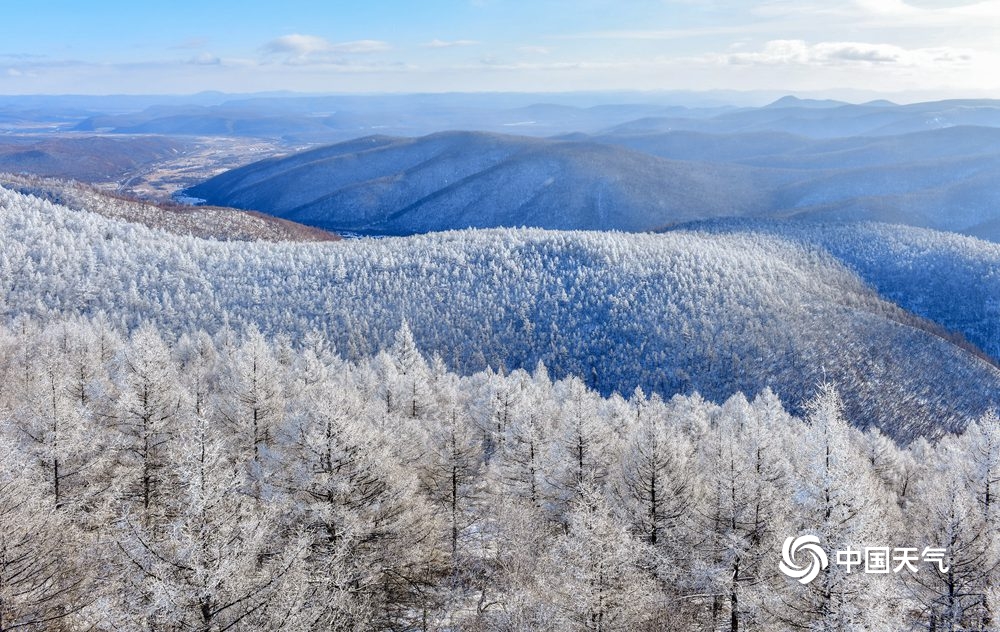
{"points": [[225, 224], [941, 179], [679, 312], [455, 180], [953, 280]]}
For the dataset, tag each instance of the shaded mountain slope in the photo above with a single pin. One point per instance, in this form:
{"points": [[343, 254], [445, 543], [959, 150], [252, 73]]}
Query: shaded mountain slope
{"points": [[465, 179], [789, 151], [940, 179]]}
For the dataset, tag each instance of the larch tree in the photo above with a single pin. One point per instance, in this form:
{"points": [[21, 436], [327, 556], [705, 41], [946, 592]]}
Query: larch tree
{"points": [[219, 559], [955, 594], [838, 499], [580, 450], [253, 408], [373, 553], [596, 576], [53, 419], [47, 575], [411, 393], [149, 406], [656, 491]]}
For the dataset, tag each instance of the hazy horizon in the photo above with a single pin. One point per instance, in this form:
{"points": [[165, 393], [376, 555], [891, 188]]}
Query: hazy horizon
{"points": [[915, 50], [691, 98]]}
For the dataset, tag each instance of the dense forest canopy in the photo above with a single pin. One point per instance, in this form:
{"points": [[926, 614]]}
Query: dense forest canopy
{"points": [[683, 312], [948, 278], [497, 430], [233, 482]]}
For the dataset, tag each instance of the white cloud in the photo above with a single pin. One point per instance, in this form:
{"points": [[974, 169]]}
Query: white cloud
{"points": [[361, 46], [308, 49], [297, 44], [205, 59], [777, 52], [436, 43]]}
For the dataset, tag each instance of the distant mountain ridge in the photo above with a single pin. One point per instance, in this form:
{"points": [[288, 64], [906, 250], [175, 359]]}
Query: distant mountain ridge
{"points": [[330, 118], [941, 179], [456, 180], [828, 119], [90, 158]]}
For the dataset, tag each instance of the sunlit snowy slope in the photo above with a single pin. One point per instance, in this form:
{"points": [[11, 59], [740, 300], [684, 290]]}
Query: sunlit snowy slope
{"points": [[680, 312]]}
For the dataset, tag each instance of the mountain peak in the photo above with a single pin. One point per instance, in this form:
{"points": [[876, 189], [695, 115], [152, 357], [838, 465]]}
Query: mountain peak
{"points": [[791, 101]]}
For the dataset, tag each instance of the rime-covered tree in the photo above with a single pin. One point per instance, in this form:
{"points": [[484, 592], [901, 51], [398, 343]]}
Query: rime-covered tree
{"points": [[411, 394], [45, 581], [596, 577], [581, 444], [372, 556], [837, 498], [451, 472], [220, 559], [950, 514], [253, 407], [744, 504], [148, 408]]}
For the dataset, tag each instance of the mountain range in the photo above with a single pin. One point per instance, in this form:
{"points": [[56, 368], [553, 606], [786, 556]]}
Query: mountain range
{"points": [[85, 157], [941, 179], [450, 180]]}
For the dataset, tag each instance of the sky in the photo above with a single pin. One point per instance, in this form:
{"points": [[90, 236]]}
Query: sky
{"points": [[940, 48]]}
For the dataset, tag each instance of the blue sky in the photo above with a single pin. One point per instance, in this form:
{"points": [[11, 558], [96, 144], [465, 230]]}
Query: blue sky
{"points": [[930, 47]]}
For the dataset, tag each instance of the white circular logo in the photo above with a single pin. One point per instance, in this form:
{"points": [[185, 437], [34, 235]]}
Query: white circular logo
{"points": [[817, 558]]}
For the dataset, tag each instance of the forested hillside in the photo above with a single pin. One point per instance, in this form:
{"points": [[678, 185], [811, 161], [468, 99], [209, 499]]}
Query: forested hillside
{"points": [[678, 313], [492, 431], [233, 482], [90, 158], [402, 186], [630, 181], [951, 279], [204, 221]]}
